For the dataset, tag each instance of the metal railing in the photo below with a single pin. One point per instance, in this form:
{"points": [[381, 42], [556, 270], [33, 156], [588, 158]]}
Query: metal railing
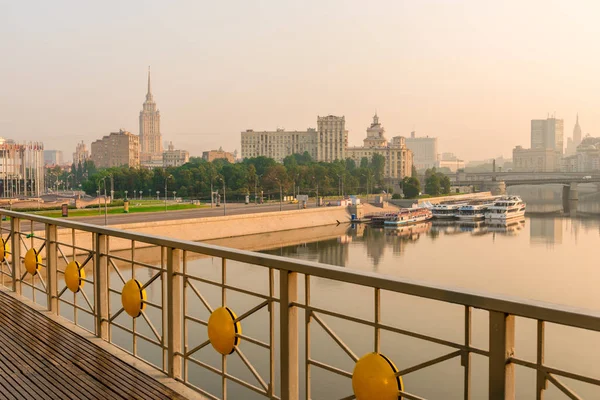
{"points": [[173, 318]]}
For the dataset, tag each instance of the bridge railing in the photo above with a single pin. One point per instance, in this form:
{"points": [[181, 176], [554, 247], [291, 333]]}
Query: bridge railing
{"points": [[189, 315]]}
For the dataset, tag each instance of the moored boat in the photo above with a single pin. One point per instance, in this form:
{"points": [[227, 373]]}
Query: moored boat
{"points": [[446, 210], [408, 216], [473, 211], [505, 208]]}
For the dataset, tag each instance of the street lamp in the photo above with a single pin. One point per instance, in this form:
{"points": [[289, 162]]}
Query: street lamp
{"points": [[280, 194], [257, 177], [166, 193], [126, 194], [174, 193], [317, 181], [224, 197], [98, 197]]}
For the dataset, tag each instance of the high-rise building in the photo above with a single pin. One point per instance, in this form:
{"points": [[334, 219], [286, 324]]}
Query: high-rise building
{"points": [[81, 153], [424, 149], [398, 158], [53, 157], [575, 141], [116, 150], [150, 138], [175, 158], [547, 134], [333, 138]]}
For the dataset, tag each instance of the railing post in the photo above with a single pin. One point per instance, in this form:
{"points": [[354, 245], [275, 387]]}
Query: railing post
{"points": [[502, 347], [174, 313], [288, 330], [101, 283], [15, 249], [51, 267]]}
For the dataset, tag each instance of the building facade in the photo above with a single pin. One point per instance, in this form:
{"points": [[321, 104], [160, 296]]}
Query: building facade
{"points": [[326, 143], [212, 155], [151, 147], [332, 139], [586, 158], [424, 149], [398, 158], [175, 158], [547, 134], [53, 157], [116, 150], [450, 161], [22, 171], [81, 153], [535, 160]]}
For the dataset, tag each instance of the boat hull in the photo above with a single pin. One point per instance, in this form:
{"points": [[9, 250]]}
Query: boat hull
{"points": [[505, 217], [407, 221]]}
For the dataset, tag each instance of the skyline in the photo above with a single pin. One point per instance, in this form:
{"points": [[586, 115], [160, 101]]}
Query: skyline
{"points": [[219, 70]]}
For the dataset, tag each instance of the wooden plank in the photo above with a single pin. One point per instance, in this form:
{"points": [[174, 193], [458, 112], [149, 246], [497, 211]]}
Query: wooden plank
{"points": [[42, 358], [113, 362], [116, 380]]}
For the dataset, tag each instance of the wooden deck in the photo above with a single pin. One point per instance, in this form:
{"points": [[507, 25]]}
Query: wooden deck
{"points": [[40, 359]]}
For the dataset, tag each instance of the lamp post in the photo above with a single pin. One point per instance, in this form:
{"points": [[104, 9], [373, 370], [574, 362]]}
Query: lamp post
{"points": [[212, 193], [98, 197], [257, 177], [174, 193], [317, 181], [280, 194], [224, 197], [157, 193], [126, 194], [166, 193]]}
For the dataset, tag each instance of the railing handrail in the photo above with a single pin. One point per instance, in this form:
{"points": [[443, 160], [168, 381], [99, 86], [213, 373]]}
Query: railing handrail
{"points": [[543, 311]]}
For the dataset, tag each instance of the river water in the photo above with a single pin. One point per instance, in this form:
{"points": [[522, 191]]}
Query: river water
{"points": [[547, 256]]}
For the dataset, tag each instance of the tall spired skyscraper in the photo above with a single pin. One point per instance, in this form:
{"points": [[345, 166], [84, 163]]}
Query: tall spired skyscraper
{"points": [[150, 138]]}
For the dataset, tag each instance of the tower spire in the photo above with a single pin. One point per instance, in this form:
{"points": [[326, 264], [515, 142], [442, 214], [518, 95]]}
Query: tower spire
{"points": [[149, 94]]}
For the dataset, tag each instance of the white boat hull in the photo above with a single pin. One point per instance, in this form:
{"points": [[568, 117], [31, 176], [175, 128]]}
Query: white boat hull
{"points": [[407, 221], [444, 216], [472, 217], [505, 217]]}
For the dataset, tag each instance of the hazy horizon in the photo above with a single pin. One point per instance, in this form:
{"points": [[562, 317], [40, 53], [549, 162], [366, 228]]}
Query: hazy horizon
{"points": [[472, 73]]}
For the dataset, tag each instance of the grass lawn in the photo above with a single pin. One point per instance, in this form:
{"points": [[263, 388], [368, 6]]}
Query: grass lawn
{"points": [[145, 207]]}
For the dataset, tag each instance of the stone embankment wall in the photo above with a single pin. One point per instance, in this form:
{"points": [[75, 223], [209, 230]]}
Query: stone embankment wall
{"points": [[200, 229]]}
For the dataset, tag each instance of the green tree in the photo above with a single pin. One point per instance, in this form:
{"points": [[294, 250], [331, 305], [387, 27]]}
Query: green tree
{"points": [[414, 172], [411, 187], [432, 185], [445, 183]]}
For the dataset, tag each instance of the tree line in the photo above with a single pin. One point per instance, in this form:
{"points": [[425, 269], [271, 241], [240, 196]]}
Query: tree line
{"points": [[298, 174]]}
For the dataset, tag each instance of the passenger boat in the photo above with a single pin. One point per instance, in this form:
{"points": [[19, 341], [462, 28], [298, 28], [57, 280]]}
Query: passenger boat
{"points": [[505, 208], [446, 210], [408, 216], [474, 210]]}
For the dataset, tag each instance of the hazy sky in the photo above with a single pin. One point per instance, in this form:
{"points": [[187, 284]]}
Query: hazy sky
{"points": [[473, 73]]}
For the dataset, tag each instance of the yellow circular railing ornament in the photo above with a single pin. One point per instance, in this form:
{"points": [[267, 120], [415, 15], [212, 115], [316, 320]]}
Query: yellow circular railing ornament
{"points": [[133, 298], [3, 249], [33, 261], [74, 276], [374, 378], [223, 331]]}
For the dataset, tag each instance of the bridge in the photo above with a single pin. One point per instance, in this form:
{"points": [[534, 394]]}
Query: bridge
{"points": [[80, 319], [535, 181]]}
